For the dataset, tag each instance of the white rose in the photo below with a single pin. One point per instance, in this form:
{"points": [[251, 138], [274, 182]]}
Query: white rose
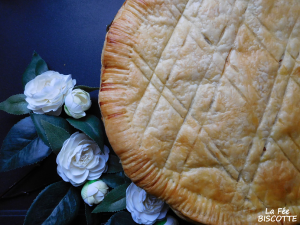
{"points": [[170, 220], [81, 159], [76, 102], [93, 192], [144, 208], [46, 93]]}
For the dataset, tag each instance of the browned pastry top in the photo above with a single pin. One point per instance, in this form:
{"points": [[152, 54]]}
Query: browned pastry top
{"points": [[201, 101]]}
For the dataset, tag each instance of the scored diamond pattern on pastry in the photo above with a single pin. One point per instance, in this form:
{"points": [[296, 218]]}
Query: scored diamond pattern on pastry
{"points": [[209, 100]]}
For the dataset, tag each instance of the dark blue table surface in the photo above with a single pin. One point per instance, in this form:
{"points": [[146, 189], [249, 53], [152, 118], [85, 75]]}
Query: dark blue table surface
{"points": [[69, 36]]}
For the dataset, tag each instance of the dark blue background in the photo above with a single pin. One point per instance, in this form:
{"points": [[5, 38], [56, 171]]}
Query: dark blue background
{"points": [[69, 36]]}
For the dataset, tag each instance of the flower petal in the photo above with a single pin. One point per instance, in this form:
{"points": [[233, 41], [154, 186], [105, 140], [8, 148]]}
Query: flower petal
{"points": [[91, 190]]}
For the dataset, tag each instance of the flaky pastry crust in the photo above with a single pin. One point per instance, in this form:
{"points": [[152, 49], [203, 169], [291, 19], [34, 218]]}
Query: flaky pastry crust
{"points": [[201, 102]]}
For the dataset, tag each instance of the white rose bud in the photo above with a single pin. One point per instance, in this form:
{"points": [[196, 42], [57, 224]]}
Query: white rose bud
{"points": [[170, 220], [93, 192], [77, 102], [144, 208], [46, 93], [81, 159]]}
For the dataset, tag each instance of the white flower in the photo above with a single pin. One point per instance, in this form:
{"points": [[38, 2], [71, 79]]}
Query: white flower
{"points": [[170, 220], [81, 159], [144, 208], [76, 102], [46, 93], [93, 192]]}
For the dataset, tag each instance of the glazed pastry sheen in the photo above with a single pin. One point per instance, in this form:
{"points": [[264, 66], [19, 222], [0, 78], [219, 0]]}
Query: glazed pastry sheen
{"points": [[201, 102]]}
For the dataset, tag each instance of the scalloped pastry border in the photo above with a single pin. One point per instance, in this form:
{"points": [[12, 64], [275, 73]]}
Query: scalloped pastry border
{"points": [[136, 165]]}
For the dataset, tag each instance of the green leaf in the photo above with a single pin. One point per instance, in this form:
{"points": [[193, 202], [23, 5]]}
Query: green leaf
{"points": [[114, 201], [56, 136], [121, 218], [87, 88], [114, 164], [122, 174], [113, 180], [15, 104], [54, 120], [57, 204], [36, 67], [41, 175], [90, 125], [22, 146], [162, 222]]}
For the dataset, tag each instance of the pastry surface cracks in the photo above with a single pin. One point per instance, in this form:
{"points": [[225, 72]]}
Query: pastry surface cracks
{"points": [[201, 102]]}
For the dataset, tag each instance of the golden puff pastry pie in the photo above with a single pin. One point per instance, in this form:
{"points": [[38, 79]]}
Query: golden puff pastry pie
{"points": [[201, 102]]}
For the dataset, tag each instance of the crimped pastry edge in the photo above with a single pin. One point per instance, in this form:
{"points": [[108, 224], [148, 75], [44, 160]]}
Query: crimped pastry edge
{"points": [[144, 174]]}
